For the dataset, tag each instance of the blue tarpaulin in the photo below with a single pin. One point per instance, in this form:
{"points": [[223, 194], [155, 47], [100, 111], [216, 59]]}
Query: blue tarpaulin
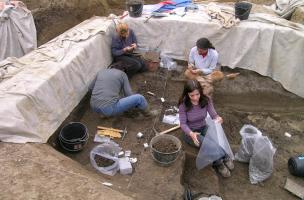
{"points": [[170, 5]]}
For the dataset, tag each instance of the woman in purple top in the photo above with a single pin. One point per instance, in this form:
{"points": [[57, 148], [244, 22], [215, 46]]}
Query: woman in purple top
{"points": [[193, 108], [124, 43]]}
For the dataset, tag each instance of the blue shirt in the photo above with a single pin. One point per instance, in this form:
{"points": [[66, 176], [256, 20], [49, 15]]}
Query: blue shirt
{"points": [[206, 64], [119, 43]]}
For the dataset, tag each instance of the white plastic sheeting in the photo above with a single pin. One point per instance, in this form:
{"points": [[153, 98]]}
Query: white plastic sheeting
{"points": [[285, 8], [17, 30], [271, 49], [46, 84]]}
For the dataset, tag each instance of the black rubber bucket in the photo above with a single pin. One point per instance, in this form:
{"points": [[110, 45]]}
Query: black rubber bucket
{"points": [[135, 7], [296, 165], [242, 10], [73, 136]]}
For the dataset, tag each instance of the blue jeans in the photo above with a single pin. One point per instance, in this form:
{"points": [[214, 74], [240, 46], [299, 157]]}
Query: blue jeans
{"points": [[200, 138], [124, 104]]}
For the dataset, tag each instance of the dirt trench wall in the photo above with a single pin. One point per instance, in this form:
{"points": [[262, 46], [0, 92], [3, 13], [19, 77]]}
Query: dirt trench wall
{"points": [[55, 17]]}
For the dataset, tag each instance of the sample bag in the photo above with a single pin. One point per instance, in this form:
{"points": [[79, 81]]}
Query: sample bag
{"points": [[248, 133], [108, 151], [215, 145]]}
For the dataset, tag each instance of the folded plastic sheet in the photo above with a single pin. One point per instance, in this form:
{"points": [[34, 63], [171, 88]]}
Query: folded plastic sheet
{"points": [[215, 145], [51, 80], [17, 30], [270, 48]]}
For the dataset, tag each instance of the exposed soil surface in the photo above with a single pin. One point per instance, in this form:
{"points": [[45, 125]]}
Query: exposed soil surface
{"points": [[165, 146], [102, 161], [249, 99]]}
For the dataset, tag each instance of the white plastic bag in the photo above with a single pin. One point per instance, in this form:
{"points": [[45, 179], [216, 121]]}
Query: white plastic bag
{"points": [[215, 145], [261, 162], [167, 63], [248, 133], [109, 151], [258, 151]]}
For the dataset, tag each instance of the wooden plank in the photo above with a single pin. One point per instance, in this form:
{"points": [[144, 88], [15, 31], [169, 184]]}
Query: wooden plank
{"points": [[110, 129], [294, 188]]}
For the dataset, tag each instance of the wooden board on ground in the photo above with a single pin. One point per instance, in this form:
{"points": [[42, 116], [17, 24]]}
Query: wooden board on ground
{"points": [[294, 188]]}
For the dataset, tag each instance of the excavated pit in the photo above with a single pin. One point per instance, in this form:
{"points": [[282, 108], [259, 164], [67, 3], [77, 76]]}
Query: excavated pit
{"points": [[264, 104], [249, 99]]}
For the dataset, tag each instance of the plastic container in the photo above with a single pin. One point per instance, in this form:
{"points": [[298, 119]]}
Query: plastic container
{"points": [[242, 10], [135, 7], [109, 151], [162, 158], [296, 165], [73, 136]]}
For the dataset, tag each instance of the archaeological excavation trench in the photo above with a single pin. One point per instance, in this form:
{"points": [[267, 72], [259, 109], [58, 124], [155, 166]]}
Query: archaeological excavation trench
{"points": [[250, 98], [256, 105]]}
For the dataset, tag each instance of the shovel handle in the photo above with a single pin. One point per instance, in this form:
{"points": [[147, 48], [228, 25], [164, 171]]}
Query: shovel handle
{"points": [[169, 130]]}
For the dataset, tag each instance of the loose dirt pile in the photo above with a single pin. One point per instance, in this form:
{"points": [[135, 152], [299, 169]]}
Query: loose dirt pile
{"points": [[102, 161], [165, 146]]}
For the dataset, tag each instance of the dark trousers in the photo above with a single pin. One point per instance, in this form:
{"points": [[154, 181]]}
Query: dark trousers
{"points": [[132, 64]]}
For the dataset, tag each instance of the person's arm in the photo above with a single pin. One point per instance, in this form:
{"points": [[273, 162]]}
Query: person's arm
{"points": [[211, 110], [91, 86], [183, 119], [126, 85], [191, 58], [213, 114], [116, 47]]}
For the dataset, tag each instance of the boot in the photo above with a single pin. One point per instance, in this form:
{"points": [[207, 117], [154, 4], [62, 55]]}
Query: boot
{"points": [[223, 170], [149, 113], [229, 163]]}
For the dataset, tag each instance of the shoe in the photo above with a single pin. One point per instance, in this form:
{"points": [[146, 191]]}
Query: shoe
{"points": [[223, 170], [229, 164], [102, 116], [149, 113]]}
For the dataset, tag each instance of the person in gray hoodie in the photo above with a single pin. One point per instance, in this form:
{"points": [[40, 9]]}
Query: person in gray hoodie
{"points": [[112, 94]]}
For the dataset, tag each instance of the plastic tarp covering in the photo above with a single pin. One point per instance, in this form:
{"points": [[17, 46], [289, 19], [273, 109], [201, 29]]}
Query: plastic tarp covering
{"points": [[285, 8], [47, 84], [270, 48], [17, 30], [215, 145]]}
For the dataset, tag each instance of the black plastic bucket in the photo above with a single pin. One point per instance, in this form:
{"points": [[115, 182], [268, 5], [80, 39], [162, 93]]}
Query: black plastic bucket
{"points": [[73, 136], [135, 7], [242, 10], [296, 165]]}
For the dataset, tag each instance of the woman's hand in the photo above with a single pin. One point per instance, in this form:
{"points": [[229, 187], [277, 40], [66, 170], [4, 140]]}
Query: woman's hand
{"points": [[194, 135], [127, 49], [219, 119], [134, 46], [195, 71], [190, 66]]}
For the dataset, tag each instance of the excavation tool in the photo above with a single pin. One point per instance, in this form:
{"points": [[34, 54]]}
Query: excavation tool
{"points": [[111, 132], [156, 15], [166, 131]]}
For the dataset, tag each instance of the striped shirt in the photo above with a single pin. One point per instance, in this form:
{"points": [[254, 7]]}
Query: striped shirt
{"points": [[194, 119], [206, 64]]}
